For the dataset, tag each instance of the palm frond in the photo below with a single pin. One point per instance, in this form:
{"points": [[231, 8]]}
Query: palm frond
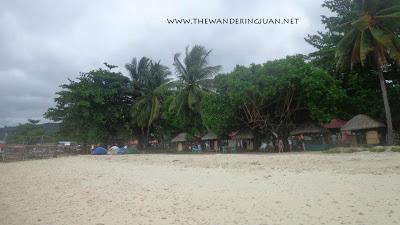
{"points": [[391, 21], [390, 10], [386, 39], [355, 54], [132, 68], [366, 46], [179, 67], [361, 23]]}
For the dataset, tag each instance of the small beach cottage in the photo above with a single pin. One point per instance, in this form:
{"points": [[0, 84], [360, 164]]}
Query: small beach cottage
{"points": [[211, 141], [313, 134], [362, 129], [242, 140], [182, 140]]}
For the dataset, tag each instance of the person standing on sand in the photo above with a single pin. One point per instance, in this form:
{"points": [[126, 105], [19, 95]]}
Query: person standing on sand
{"points": [[280, 145], [303, 146], [290, 143]]}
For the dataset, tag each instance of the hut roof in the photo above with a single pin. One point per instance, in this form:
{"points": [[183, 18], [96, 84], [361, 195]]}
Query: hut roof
{"points": [[335, 124], [308, 128], [362, 122], [209, 136], [182, 137], [242, 135]]}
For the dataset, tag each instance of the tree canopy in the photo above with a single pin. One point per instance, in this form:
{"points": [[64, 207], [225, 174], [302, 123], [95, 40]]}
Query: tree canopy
{"points": [[94, 108], [272, 97]]}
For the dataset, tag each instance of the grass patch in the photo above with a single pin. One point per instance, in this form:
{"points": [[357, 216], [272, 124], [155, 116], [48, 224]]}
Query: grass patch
{"points": [[332, 151], [377, 149], [395, 149], [340, 150], [350, 150]]}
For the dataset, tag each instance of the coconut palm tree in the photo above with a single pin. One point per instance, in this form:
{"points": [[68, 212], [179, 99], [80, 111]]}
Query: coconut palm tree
{"points": [[194, 74], [149, 81], [373, 42]]}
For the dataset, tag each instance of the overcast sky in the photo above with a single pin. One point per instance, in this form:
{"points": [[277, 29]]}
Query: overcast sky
{"points": [[44, 42]]}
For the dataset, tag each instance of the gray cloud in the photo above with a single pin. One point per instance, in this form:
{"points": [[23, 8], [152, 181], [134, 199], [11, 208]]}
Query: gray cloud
{"points": [[44, 42]]}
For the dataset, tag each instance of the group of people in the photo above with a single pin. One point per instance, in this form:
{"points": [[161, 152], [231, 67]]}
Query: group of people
{"points": [[294, 143]]}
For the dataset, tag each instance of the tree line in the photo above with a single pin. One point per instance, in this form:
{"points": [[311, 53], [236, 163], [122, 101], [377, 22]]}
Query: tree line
{"points": [[354, 70]]}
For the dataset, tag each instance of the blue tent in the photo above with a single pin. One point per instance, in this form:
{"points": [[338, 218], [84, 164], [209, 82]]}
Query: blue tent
{"points": [[99, 151], [122, 150]]}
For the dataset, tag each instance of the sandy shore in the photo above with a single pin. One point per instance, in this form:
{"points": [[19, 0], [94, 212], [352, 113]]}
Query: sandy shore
{"points": [[294, 189]]}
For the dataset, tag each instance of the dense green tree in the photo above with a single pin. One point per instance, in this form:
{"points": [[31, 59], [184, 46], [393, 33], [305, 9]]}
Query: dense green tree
{"points": [[194, 74], [171, 123], [323, 95], [269, 98], [94, 108], [218, 114], [372, 42]]}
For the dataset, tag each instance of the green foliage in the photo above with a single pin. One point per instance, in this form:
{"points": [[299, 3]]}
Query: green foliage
{"points": [[149, 82], [323, 95], [194, 75], [343, 150], [95, 108], [377, 149], [30, 133], [105, 106], [170, 122], [218, 114], [372, 42], [270, 97], [326, 42], [364, 33], [364, 96]]}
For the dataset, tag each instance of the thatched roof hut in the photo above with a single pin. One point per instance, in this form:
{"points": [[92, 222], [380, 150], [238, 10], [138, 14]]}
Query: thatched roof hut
{"points": [[209, 136], [362, 122], [242, 135], [307, 129], [182, 137]]}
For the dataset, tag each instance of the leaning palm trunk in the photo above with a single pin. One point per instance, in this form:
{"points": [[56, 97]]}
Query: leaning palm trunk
{"points": [[387, 108]]}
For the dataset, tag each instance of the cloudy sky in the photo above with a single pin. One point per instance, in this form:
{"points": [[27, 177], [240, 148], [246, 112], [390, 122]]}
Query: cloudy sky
{"points": [[44, 42]]}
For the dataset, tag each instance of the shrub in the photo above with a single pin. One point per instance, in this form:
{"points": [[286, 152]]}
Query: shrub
{"points": [[377, 149], [395, 149]]}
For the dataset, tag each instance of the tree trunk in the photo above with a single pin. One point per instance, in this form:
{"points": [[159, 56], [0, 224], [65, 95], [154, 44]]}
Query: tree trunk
{"points": [[143, 140], [387, 108]]}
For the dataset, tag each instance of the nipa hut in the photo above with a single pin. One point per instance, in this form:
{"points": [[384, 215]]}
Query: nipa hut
{"points": [[244, 140], [182, 140], [362, 129], [311, 134], [211, 141]]}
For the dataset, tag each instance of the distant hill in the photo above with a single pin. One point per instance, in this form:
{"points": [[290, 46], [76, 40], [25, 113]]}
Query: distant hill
{"points": [[49, 128]]}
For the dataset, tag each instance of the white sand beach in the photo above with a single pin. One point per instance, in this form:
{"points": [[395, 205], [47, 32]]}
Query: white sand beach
{"points": [[295, 188]]}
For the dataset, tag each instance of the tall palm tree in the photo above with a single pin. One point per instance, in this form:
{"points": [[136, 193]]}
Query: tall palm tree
{"points": [[149, 81], [194, 74], [373, 42]]}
